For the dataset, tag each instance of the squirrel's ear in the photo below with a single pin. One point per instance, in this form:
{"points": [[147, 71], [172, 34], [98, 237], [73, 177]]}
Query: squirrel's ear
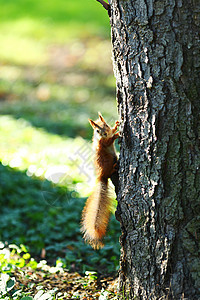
{"points": [[101, 118], [92, 123]]}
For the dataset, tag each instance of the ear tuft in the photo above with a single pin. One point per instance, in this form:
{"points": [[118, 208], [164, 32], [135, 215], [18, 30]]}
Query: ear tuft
{"points": [[92, 123], [101, 118]]}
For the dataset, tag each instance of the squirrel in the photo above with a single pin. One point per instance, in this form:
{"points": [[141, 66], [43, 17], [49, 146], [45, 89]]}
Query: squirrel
{"points": [[96, 212]]}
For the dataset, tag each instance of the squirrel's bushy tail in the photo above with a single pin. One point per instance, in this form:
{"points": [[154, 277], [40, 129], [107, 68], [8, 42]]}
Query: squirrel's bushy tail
{"points": [[96, 214]]}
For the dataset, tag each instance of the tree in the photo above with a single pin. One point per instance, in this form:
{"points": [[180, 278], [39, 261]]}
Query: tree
{"points": [[156, 65]]}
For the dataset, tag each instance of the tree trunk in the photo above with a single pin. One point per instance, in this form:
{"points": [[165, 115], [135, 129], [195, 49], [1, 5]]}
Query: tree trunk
{"points": [[156, 65]]}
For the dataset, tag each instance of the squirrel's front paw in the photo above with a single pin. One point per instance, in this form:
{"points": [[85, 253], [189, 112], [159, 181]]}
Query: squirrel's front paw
{"points": [[117, 123]]}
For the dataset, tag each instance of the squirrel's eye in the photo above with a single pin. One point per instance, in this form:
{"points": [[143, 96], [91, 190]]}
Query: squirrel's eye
{"points": [[97, 130]]}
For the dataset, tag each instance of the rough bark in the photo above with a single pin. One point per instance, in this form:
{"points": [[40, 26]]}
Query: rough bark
{"points": [[156, 65]]}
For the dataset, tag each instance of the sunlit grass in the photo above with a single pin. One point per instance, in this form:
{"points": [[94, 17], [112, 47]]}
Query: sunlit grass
{"points": [[52, 77], [21, 50], [46, 155], [59, 12], [27, 41], [28, 28]]}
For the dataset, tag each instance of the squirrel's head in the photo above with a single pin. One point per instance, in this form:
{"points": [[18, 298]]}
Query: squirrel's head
{"points": [[101, 128]]}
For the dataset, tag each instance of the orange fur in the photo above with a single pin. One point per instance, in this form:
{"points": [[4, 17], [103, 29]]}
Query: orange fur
{"points": [[96, 212]]}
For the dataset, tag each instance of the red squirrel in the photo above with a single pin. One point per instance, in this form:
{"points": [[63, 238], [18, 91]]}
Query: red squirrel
{"points": [[96, 212]]}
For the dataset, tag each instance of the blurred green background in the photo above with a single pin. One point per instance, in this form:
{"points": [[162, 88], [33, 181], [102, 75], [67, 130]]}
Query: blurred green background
{"points": [[55, 73]]}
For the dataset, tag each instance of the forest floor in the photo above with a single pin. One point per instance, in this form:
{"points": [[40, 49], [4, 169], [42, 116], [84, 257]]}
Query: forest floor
{"points": [[25, 279], [65, 285]]}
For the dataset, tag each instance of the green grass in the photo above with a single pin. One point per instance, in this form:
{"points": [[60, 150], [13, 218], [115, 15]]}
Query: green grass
{"points": [[41, 153], [27, 28], [59, 12], [56, 73]]}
